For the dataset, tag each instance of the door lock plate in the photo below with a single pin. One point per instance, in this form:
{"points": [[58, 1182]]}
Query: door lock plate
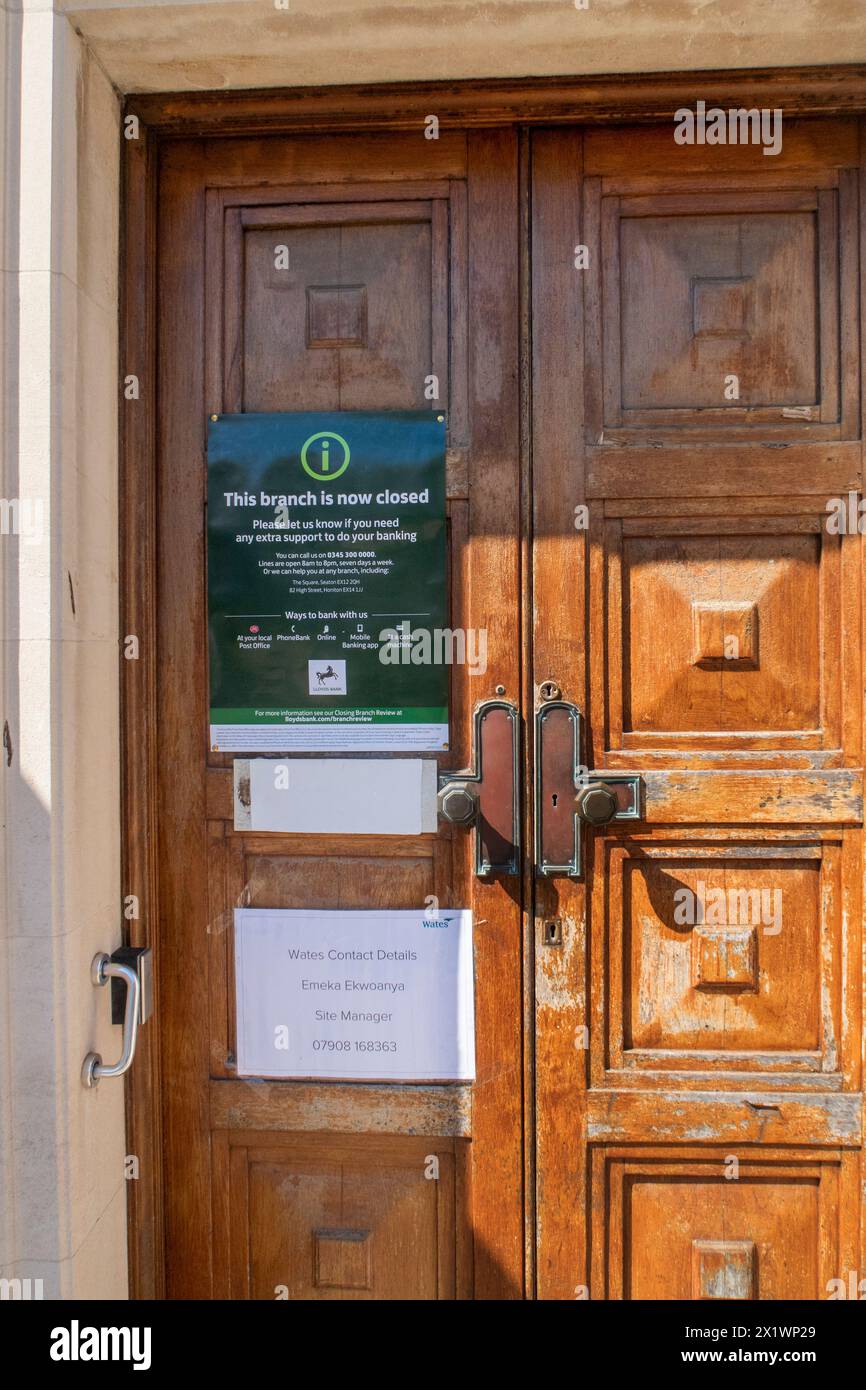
{"points": [[567, 794], [486, 797], [551, 931]]}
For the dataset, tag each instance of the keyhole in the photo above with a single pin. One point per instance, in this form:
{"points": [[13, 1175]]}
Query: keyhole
{"points": [[554, 798]]}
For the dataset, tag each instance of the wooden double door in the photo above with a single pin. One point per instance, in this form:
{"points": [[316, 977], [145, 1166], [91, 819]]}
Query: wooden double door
{"points": [[649, 357]]}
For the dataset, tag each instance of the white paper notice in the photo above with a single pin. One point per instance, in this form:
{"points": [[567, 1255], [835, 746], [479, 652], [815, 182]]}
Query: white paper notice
{"points": [[343, 796], [385, 996]]}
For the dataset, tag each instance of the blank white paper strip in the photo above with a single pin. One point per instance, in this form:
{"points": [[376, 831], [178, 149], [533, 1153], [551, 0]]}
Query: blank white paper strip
{"points": [[342, 796]]}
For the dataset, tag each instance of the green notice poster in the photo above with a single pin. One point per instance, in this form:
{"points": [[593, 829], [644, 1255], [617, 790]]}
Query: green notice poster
{"points": [[326, 559]]}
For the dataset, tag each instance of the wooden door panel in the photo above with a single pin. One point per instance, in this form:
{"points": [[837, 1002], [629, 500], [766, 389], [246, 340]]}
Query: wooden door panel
{"points": [[320, 1219], [722, 603], [754, 989], [704, 1006], [375, 273], [769, 1229], [723, 314], [713, 284], [711, 276], [336, 305], [733, 672], [349, 325]]}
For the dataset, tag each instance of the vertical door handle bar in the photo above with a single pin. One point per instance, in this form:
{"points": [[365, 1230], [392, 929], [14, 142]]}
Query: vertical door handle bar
{"points": [[102, 970]]}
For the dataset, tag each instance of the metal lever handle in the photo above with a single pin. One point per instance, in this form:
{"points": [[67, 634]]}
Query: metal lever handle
{"points": [[102, 970]]}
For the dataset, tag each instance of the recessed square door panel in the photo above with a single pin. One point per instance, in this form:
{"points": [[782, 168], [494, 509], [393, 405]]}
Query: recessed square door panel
{"points": [[748, 978], [351, 315], [724, 957], [705, 296], [725, 633], [337, 305], [720, 1225], [731, 658], [719, 310], [340, 1218]]}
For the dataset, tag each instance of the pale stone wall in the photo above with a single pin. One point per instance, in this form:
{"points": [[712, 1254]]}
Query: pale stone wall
{"points": [[62, 1147]]}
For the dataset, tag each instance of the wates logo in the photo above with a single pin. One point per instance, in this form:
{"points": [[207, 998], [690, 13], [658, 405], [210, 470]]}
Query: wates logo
{"points": [[325, 456]]}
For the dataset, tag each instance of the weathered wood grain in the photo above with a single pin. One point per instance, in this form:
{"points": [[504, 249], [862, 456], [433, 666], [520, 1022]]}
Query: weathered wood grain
{"points": [[833, 796], [757, 1117], [309, 1106]]}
